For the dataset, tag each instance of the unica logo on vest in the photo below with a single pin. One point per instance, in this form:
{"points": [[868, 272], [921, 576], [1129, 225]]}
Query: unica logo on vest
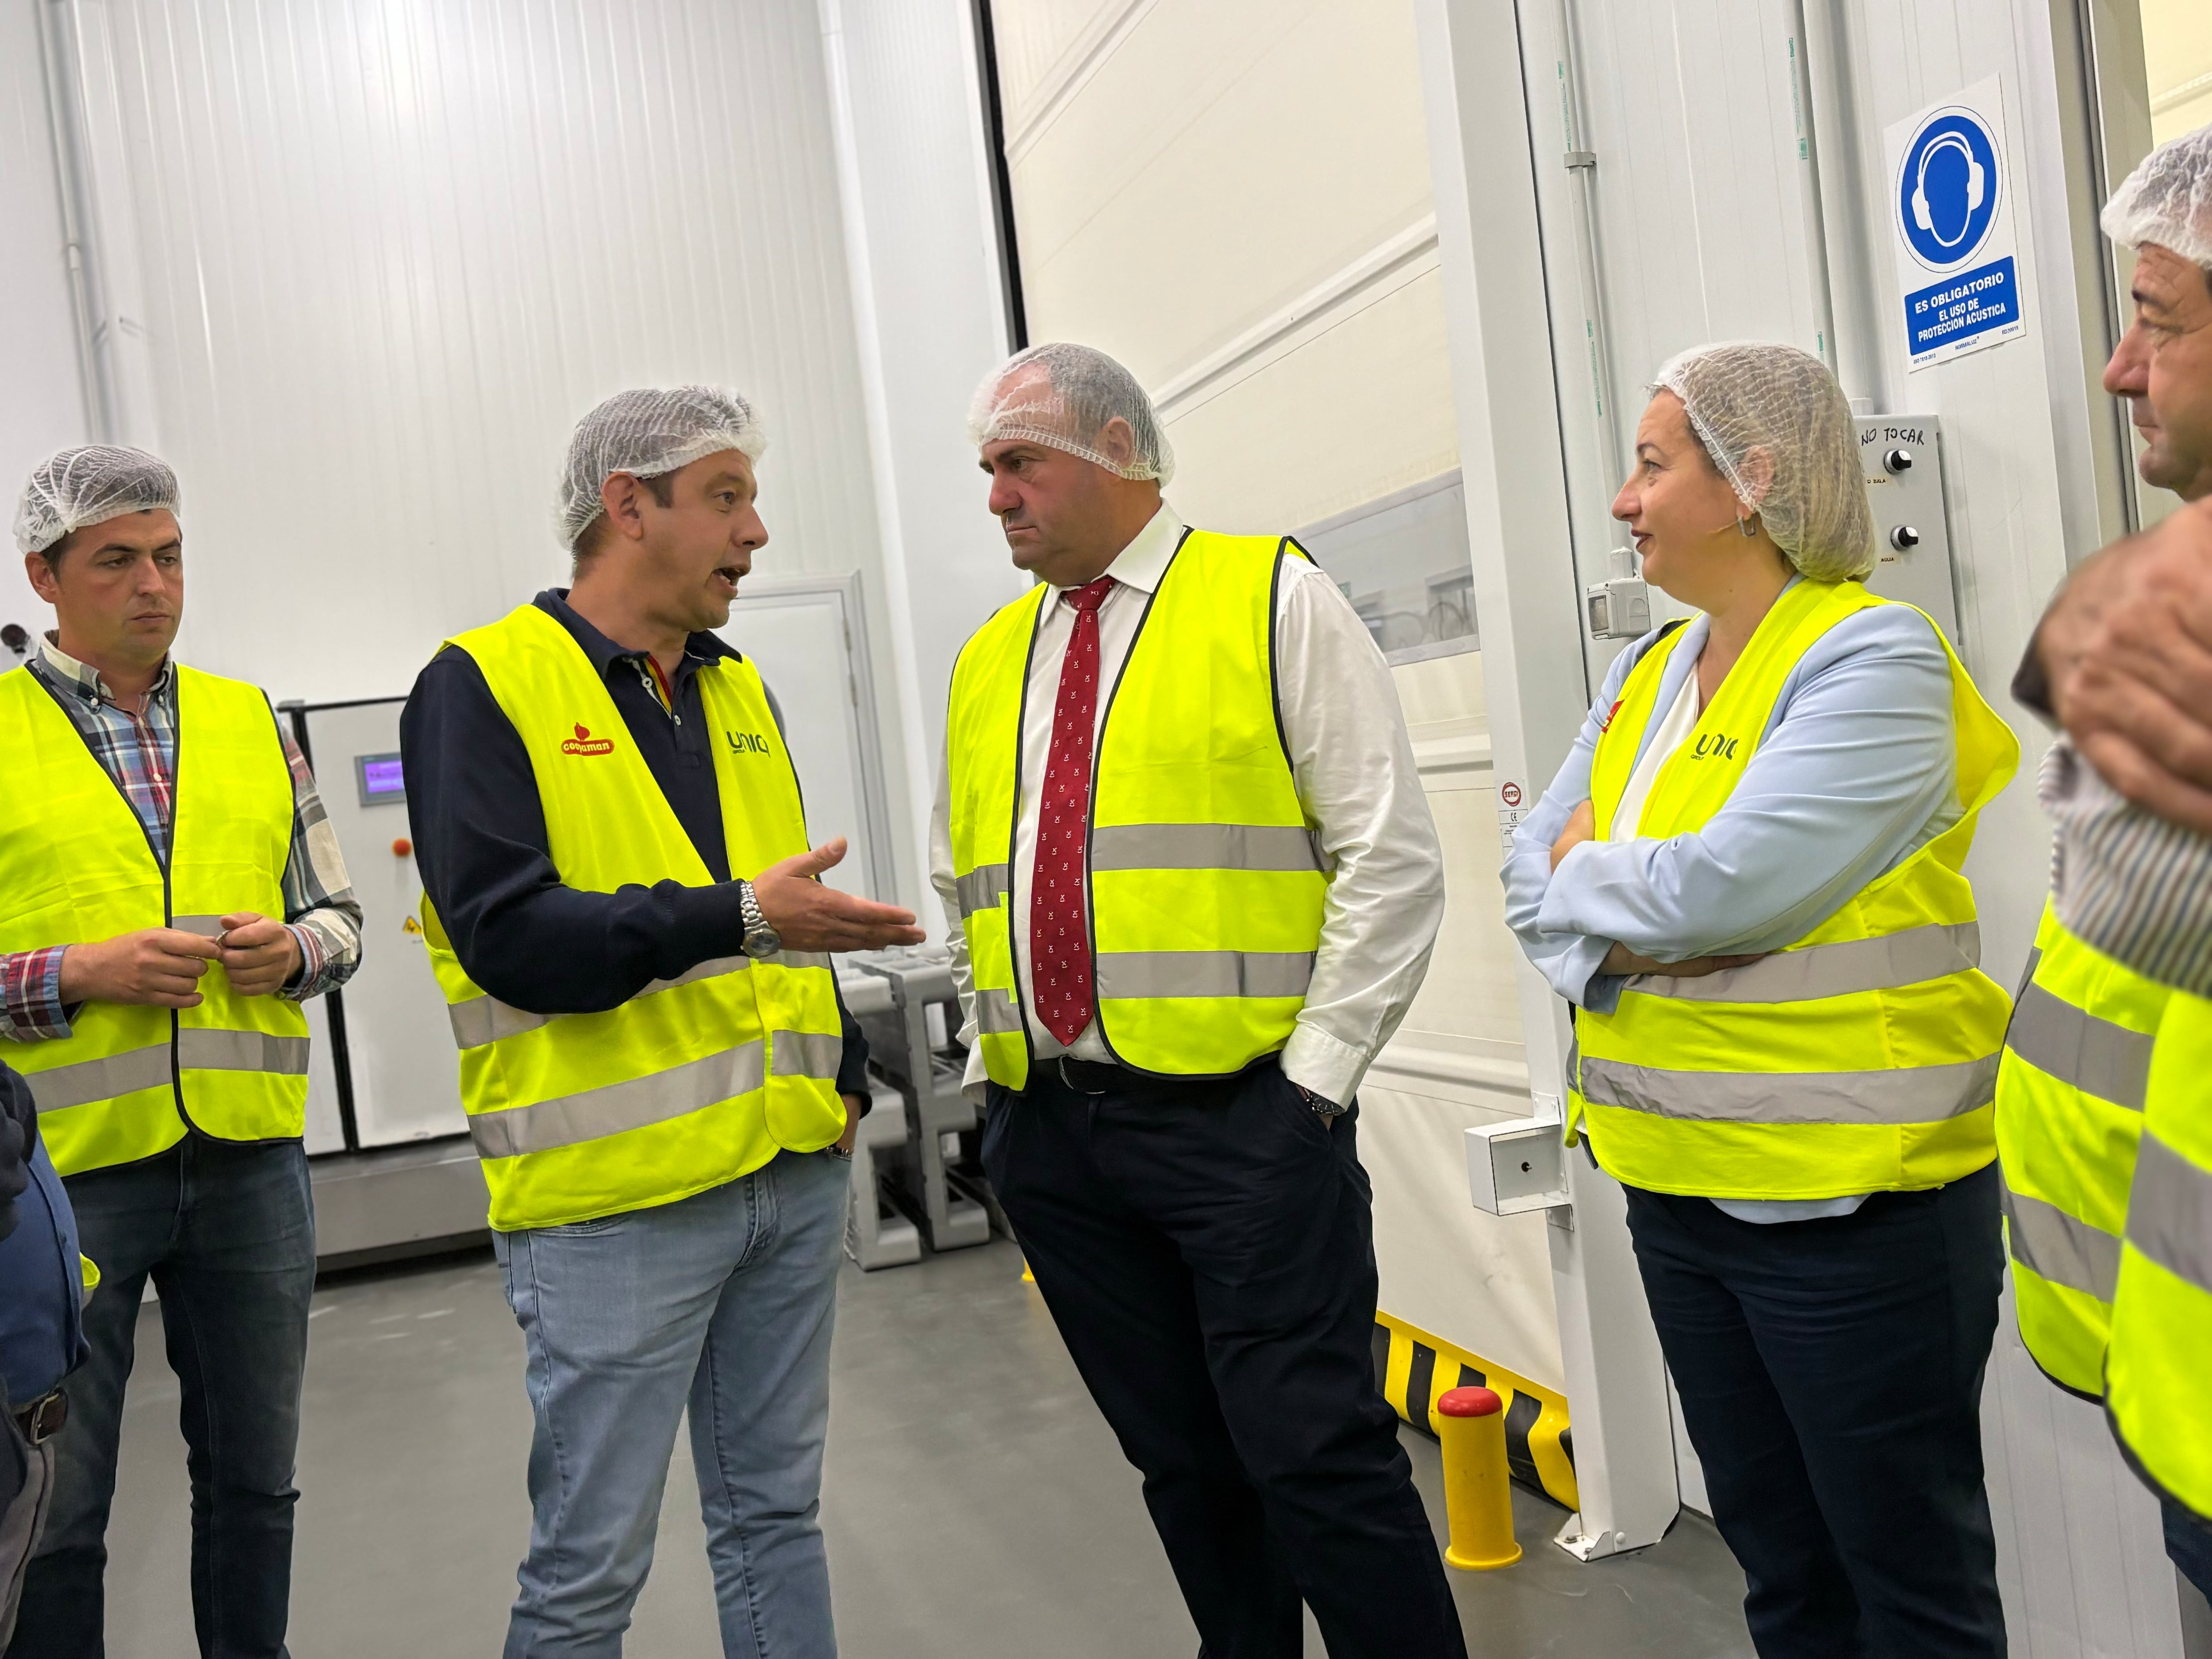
{"points": [[584, 743]]}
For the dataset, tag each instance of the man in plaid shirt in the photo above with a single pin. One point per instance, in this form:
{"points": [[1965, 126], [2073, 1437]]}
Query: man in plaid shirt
{"points": [[205, 1191]]}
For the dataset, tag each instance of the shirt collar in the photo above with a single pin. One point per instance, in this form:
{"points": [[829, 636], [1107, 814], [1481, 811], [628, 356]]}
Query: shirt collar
{"points": [[1144, 561], [699, 649], [84, 680]]}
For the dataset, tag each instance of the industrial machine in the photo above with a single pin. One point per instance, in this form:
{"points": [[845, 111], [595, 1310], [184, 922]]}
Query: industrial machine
{"points": [[394, 1172], [877, 1233], [930, 1171]]}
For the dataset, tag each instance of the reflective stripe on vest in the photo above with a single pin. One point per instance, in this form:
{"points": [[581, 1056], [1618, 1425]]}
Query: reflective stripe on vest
{"points": [[483, 1019], [1861, 1058], [2158, 1373], [124, 1084], [695, 1080], [2069, 1110], [1205, 884]]}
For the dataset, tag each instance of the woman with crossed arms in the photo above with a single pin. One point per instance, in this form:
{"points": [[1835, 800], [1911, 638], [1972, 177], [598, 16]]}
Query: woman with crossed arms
{"points": [[1746, 879]]}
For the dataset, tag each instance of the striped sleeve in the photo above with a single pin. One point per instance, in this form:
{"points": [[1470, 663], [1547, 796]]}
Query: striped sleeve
{"points": [[2128, 883], [319, 907]]}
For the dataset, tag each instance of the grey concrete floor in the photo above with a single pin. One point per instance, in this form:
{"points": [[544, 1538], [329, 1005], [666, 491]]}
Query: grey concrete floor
{"points": [[975, 1505]]}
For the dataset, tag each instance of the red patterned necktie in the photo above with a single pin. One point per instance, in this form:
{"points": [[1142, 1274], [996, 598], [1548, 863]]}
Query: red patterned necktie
{"points": [[1059, 935]]}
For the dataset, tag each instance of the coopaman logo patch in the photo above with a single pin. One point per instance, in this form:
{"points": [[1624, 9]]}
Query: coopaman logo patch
{"points": [[584, 743]]}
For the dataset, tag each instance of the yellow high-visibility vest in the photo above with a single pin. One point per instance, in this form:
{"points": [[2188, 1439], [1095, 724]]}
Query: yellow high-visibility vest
{"points": [[695, 1080], [1205, 885], [1863, 1057], [76, 867], [2158, 1373], [2070, 1109]]}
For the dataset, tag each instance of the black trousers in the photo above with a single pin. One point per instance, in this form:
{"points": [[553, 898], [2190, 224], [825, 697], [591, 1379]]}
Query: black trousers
{"points": [[1831, 1379], [1208, 1252]]}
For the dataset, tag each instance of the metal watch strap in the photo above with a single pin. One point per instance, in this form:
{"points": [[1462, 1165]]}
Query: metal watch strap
{"points": [[749, 910]]}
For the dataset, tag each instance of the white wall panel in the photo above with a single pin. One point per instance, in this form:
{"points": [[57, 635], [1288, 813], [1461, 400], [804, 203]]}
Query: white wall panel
{"points": [[1226, 158], [1359, 408], [929, 316], [365, 264], [2080, 1551], [1047, 47], [42, 395]]}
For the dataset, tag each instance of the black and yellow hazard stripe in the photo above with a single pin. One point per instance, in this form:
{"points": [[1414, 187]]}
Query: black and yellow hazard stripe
{"points": [[1415, 1369]]}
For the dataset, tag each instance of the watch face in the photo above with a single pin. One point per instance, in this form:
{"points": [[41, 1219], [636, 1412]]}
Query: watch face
{"points": [[763, 941]]}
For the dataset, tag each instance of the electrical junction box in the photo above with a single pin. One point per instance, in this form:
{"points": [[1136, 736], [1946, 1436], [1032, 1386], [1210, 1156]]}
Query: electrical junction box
{"points": [[1519, 1165], [1901, 457]]}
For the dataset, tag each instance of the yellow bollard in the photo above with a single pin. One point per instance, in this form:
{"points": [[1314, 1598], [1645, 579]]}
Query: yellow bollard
{"points": [[1478, 1490]]}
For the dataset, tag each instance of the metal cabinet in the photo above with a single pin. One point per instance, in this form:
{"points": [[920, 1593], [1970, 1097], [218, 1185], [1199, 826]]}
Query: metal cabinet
{"points": [[393, 1165], [389, 1064]]}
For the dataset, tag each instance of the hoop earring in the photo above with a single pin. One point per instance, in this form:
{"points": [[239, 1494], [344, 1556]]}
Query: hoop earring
{"points": [[1744, 524]]}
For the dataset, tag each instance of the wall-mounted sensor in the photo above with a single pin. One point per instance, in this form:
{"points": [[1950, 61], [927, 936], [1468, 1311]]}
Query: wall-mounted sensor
{"points": [[1899, 460], [1904, 538], [1618, 608], [13, 637]]}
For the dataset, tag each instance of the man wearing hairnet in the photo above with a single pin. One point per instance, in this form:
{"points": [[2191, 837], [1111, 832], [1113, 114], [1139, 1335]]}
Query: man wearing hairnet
{"points": [[170, 893], [2123, 658], [622, 909], [1192, 885]]}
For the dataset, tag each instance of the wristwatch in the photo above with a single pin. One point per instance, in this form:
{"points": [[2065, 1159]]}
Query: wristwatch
{"points": [[760, 939], [1320, 1108]]}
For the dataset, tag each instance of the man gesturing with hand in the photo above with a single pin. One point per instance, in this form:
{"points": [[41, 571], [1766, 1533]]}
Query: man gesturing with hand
{"points": [[169, 894], [623, 910]]}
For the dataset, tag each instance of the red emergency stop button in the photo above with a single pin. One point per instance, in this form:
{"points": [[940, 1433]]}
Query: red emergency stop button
{"points": [[401, 847]]}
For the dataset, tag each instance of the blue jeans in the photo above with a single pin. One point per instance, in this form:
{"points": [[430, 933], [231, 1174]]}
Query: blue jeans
{"points": [[227, 1235], [722, 1303]]}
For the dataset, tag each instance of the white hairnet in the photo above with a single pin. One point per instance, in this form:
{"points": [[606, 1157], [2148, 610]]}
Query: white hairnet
{"points": [[1747, 398], [73, 488], [1066, 400], [647, 433], [2168, 200]]}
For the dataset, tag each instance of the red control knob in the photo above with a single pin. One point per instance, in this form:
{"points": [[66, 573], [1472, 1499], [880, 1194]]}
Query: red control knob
{"points": [[402, 847]]}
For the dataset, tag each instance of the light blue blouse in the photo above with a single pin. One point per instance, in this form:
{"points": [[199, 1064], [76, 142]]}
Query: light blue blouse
{"points": [[1855, 772]]}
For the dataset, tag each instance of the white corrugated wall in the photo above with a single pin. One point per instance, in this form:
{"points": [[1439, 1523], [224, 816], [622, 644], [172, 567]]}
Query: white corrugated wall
{"points": [[365, 264]]}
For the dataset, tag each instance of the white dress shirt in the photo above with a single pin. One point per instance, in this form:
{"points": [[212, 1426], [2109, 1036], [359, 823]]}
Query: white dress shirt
{"points": [[1353, 765]]}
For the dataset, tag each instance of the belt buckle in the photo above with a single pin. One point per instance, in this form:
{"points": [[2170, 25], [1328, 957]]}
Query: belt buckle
{"points": [[1068, 1083], [43, 1418]]}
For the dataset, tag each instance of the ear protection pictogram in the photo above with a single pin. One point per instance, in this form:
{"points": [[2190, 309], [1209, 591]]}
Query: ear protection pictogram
{"points": [[1978, 186]]}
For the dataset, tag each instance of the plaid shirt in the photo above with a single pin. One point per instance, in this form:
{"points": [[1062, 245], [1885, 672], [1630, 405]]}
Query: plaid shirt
{"points": [[139, 751]]}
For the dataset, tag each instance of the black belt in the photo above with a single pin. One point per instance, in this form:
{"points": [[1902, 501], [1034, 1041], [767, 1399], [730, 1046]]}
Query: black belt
{"points": [[43, 1418], [1098, 1076]]}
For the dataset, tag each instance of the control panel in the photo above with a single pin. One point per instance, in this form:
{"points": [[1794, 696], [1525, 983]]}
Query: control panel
{"points": [[1901, 457]]}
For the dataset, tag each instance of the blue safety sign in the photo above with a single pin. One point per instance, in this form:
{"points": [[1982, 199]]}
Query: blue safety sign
{"points": [[1958, 263], [1949, 186], [1960, 307]]}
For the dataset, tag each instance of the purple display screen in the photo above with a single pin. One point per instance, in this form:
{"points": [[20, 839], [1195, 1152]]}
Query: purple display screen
{"points": [[380, 779]]}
